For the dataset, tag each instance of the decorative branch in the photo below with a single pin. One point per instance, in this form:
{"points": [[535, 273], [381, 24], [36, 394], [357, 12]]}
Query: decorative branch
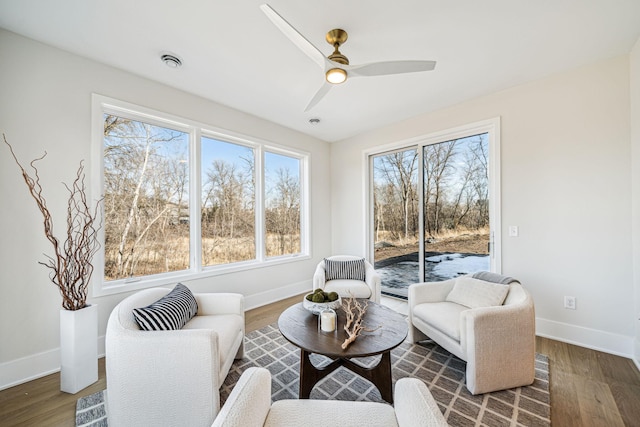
{"points": [[70, 266], [355, 311]]}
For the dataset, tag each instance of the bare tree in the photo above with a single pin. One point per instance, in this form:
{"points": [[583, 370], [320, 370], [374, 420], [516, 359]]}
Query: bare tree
{"points": [[480, 181], [146, 178], [228, 215], [398, 170], [437, 170], [455, 189], [283, 213]]}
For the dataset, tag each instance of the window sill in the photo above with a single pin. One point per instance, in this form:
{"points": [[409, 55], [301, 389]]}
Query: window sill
{"points": [[136, 284]]}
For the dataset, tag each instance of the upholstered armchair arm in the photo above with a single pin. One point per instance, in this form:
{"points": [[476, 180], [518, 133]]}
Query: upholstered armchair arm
{"points": [[319, 276], [249, 403], [429, 292], [142, 365], [415, 406], [499, 339], [220, 303], [372, 279]]}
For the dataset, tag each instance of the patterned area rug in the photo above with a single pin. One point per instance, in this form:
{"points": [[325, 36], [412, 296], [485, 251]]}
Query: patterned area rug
{"points": [[92, 410], [440, 370]]}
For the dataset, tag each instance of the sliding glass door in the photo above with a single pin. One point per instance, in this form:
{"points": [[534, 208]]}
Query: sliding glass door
{"points": [[456, 208], [396, 219], [431, 210]]}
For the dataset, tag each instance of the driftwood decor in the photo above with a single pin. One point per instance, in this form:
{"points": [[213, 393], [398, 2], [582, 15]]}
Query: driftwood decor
{"points": [[355, 311], [70, 266]]}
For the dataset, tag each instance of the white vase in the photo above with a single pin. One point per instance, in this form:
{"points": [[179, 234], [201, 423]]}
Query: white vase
{"points": [[78, 348]]}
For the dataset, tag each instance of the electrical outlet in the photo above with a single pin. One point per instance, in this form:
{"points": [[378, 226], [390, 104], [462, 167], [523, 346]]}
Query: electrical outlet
{"points": [[570, 303]]}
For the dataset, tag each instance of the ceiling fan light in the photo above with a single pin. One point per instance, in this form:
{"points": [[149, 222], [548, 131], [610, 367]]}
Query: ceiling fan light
{"points": [[336, 75]]}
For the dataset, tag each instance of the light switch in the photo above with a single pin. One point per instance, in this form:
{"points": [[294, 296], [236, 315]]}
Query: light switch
{"points": [[513, 231]]}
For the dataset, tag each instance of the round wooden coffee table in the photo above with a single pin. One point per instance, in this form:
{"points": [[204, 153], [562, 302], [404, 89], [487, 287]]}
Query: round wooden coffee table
{"points": [[300, 327]]}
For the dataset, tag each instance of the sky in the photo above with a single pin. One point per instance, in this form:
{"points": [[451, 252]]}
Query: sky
{"points": [[213, 149]]}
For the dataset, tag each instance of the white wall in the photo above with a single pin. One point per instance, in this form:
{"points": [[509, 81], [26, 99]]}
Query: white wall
{"points": [[566, 182], [635, 149], [45, 105]]}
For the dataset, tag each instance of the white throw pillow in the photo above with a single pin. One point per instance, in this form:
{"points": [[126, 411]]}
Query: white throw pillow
{"points": [[474, 293]]}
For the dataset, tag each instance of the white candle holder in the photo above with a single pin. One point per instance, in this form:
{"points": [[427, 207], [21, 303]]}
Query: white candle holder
{"points": [[327, 320]]}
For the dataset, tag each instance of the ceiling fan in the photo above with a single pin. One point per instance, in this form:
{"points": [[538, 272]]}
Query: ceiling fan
{"points": [[336, 66]]}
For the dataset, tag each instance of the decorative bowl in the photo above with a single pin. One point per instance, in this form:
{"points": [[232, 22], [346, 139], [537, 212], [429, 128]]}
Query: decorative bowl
{"points": [[317, 307]]}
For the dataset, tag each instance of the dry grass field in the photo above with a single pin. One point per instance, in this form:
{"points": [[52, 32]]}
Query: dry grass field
{"points": [[173, 253], [465, 241]]}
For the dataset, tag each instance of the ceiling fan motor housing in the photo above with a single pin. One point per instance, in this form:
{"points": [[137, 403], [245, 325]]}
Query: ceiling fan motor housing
{"points": [[335, 38]]}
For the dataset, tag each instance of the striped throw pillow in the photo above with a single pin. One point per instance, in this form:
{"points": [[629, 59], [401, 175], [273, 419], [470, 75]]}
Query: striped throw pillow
{"points": [[171, 312], [353, 269]]}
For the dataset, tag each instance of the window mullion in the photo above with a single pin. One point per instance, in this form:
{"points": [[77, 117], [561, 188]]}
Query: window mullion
{"points": [[421, 232], [304, 208], [195, 191], [260, 206]]}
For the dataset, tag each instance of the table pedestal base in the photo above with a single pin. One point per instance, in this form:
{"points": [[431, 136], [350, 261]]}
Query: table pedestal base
{"points": [[379, 375]]}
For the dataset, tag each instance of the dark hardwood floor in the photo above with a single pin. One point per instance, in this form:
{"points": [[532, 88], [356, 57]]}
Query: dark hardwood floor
{"points": [[588, 388]]}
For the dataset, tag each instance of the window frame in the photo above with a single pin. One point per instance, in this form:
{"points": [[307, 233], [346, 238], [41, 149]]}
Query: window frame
{"points": [[492, 128], [104, 105]]}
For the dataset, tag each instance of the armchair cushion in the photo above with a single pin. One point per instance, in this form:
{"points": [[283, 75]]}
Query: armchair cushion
{"points": [[351, 269], [444, 316], [348, 288], [229, 328], [474, 293], [169, 313], [313, 412]]}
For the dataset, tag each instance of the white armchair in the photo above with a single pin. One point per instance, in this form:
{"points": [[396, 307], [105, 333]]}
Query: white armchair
{"points": [[249, 405], [496, 340], [368, 288], [170, 378]]}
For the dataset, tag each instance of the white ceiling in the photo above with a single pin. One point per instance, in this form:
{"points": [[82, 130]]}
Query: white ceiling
{"points": [[234, 55]]}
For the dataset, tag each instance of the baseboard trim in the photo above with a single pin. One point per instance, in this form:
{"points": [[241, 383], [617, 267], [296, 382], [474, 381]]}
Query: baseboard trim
{"points": [[25, 369], [275, 295], [594, 339]]}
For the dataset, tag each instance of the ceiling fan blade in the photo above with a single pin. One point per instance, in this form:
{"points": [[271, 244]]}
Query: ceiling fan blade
{"points": [[298, 39], [324, 89], [390, 67]]}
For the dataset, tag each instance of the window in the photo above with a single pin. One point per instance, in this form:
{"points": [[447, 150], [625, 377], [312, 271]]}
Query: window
{"points": [[146, 198], [433, 207], [183, 201], [228, 202], [282, 199]]}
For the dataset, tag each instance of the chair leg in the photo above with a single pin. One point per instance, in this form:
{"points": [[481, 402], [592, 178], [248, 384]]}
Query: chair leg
{"points": [[240, 352], [415, 334]]}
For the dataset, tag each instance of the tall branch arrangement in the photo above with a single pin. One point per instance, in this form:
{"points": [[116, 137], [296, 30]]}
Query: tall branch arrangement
{"points": [[70, 266], [355, 311]]}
